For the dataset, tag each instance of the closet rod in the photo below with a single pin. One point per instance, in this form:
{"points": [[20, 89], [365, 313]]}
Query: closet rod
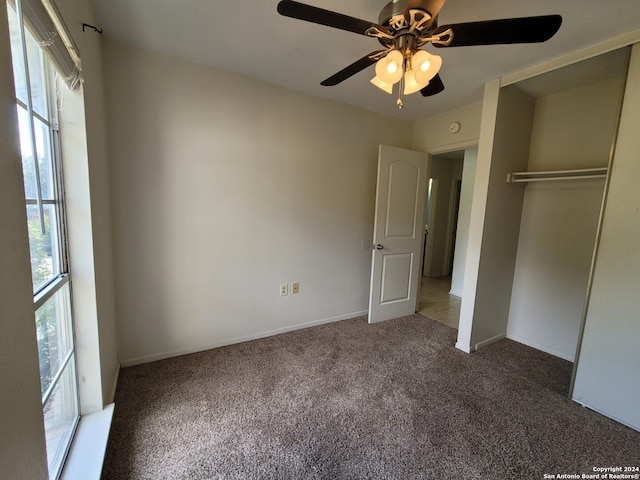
{"points": [[578, 174]]}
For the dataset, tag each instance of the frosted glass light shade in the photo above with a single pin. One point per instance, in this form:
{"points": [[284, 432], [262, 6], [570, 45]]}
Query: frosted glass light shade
{"points": [[387, 87], [425, 65], [390, 68], [411, 84]]}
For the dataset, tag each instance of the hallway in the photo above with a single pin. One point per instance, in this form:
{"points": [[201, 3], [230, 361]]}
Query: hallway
{"points": [[437, 304]]}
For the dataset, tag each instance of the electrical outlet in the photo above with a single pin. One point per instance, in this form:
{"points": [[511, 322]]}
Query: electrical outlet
{"points": [[295, 288], [284, 289]]}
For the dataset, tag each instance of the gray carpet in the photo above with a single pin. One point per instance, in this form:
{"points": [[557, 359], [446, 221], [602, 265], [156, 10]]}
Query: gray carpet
{"points": [[351, 400]]}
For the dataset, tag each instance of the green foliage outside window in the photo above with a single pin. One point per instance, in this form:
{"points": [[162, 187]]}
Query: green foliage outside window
{"points": [[42, 270]]}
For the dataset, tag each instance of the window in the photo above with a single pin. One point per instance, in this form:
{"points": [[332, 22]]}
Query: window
{"points": [[37, 120]]}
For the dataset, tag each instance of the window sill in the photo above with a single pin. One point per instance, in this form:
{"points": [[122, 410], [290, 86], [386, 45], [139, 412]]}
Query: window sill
{"points": [[88, 447]]}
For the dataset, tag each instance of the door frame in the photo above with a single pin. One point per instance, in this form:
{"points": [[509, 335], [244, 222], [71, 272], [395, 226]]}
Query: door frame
{"points": [[454, 209], [435, 182], [461, 146]]}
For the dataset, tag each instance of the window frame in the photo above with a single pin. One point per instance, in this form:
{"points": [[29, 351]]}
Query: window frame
{"points": [[59, 381]]}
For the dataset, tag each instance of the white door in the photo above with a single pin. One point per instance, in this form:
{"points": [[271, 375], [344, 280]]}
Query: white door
{"points": [[398, 233]]}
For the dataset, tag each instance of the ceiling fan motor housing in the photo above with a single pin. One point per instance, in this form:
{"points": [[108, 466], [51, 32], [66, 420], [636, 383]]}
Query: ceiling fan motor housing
{"points": [[407, 21], [392, 9], [399, 7]]}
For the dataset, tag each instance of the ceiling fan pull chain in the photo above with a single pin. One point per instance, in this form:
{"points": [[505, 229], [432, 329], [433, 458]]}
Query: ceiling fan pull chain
{"points": [[400, 92]]}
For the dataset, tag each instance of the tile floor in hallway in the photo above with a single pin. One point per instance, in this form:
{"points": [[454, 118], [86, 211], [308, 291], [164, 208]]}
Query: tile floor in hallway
{"points": [[437, 304]]}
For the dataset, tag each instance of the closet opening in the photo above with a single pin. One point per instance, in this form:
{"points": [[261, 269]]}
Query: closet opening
{"points": [[573, 130]]}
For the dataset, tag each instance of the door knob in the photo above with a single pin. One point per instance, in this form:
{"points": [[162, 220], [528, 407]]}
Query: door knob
{"points": [[379, 246]]}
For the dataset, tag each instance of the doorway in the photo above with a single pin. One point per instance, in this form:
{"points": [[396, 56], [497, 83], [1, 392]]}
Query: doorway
{"points": [[450, 191], [437, 303]]}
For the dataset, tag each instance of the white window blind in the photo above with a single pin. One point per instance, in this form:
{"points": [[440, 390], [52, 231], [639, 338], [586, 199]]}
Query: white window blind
{"points": [[46, 25]]}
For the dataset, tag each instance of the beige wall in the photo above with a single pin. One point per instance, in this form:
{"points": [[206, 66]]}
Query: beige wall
{"points": [[464, 219], [22, 446], [574, 128], [432, 135], [198, 153], [223, 188]]}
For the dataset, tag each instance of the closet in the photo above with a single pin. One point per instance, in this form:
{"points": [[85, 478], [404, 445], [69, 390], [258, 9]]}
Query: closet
{"points": [[554, 239], [575, 113]]}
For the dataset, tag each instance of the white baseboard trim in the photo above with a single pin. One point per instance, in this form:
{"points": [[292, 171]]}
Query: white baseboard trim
{"points": [[489, 341], [464, 348], [542, 348], [455, 294], [86, 456], [233, 340], [606, 414]]}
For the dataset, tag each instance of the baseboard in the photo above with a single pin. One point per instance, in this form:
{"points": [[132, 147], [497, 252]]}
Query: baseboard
{"points": [[233, 340], [464, 348], [542, 348], [455, 293], [606, 414], [489, 341]]}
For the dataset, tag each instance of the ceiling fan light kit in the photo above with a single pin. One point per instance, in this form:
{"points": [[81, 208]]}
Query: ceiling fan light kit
{"points": [[404, 27], [412, 68]]}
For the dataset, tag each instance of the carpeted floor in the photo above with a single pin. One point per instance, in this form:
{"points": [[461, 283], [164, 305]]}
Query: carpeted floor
{"points": [[350, 400]]}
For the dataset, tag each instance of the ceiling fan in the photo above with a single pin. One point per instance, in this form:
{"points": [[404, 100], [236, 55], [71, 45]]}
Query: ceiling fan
{"points": [[404, 27]]}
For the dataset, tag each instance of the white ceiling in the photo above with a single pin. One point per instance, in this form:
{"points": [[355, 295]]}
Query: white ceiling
{"points": [[249, 37]]}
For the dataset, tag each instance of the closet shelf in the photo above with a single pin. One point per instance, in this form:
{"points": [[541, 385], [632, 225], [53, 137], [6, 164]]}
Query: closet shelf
{"points": [[578, 174]]}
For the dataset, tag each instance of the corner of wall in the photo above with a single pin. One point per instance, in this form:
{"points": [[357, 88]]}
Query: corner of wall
{"points": [[510, 151]]}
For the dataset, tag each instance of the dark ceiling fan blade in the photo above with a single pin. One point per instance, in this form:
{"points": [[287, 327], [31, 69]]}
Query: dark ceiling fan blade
{"points": [[351, 70], [435, 86], [503, 31], [312, 14]]}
